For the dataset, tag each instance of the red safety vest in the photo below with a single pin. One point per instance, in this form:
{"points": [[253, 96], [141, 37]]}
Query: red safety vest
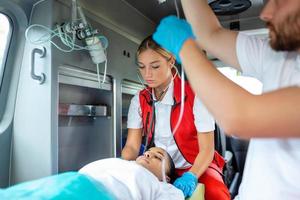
{"points": [[186, 134]]}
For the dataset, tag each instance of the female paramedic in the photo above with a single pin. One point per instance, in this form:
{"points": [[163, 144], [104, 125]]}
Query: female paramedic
{"points": [[154, 112]]}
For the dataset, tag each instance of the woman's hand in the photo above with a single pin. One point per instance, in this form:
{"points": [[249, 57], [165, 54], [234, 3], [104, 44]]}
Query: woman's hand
{"points": [[187, 183]]}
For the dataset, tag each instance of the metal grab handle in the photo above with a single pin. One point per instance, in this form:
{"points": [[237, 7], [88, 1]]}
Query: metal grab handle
{"points": [[42, 52]]}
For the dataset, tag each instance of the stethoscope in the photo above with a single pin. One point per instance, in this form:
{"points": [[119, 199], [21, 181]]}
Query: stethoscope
{"points": [[152, 118], [153, 102]]}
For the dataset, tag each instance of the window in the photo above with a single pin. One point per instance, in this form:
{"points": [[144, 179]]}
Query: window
{"points": [[252, 85], [5, 30]]}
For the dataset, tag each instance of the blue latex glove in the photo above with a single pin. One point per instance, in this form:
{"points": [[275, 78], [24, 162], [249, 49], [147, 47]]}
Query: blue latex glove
{"points": [[171, 34], [187, 183]]}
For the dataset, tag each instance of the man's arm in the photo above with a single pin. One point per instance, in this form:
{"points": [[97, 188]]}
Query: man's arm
{"points": [[273, 114], [133, 144], [210, 35]]}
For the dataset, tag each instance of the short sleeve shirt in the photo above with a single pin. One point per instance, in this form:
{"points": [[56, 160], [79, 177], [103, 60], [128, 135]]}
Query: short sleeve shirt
{"points": [[204, 122], [272, 165]]}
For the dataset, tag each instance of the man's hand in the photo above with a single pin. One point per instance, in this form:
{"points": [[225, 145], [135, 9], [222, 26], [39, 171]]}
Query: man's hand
{"points": [[171, 34]]}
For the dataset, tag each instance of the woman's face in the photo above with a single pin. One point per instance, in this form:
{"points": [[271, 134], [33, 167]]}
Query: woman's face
{"points": [[152, 160], [154, 68]]}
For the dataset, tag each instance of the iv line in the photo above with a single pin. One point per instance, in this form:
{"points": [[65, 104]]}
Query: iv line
{"points": [[180, 113]]}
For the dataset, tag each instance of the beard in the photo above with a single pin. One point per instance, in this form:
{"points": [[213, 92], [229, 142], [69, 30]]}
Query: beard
{"points": [[286, 35]]}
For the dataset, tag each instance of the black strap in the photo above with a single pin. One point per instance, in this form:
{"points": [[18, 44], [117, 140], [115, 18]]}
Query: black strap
{"points": [[152, 127]]}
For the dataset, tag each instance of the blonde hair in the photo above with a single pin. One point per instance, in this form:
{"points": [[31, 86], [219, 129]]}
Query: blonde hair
{"points": [[149, 43]]}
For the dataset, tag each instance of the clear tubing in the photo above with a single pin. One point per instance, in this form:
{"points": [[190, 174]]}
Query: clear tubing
{"points": [[176, 7], [181, 102], [163, 166], [98, 75], [74, 12], [66, 39], [82, 16], [105, 69], [104, 74]]}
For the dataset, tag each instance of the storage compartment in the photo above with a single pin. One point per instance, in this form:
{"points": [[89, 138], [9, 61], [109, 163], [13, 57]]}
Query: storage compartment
{"points": [[85, 131], [129, 89]]}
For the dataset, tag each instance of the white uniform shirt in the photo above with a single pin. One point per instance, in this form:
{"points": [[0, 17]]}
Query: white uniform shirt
{"points": [[204, 122], [128, 180], [272, 165]]}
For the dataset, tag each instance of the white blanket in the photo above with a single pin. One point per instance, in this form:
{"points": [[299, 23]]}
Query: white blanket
{"points": [[128, 180]]}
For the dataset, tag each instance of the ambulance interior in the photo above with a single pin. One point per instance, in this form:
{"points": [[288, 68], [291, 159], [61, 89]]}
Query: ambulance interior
{"points": [[62, 105]]}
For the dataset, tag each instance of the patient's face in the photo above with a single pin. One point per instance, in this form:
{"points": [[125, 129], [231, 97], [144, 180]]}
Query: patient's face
{"points": [[152, 160]]}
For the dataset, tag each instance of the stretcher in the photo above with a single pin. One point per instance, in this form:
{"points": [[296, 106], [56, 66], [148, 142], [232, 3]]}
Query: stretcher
{"points": [[70, 185], [198, 193]]}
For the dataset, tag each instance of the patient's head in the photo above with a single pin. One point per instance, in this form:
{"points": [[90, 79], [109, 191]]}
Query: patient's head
{"points": [[152, 160]]}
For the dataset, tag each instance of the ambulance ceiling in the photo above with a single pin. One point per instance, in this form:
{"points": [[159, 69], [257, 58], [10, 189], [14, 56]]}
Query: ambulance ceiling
{"points": [[229, 11]]}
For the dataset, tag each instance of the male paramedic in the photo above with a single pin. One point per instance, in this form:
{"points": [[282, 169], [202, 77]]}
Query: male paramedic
{"points": [[271, 170]]}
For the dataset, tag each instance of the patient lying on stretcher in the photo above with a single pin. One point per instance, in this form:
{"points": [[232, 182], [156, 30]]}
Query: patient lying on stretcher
{"points": [[140, 179], [107, 179]]}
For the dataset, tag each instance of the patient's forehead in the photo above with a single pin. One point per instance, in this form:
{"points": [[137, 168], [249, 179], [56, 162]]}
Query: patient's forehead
{"points": [[157, 150]]}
